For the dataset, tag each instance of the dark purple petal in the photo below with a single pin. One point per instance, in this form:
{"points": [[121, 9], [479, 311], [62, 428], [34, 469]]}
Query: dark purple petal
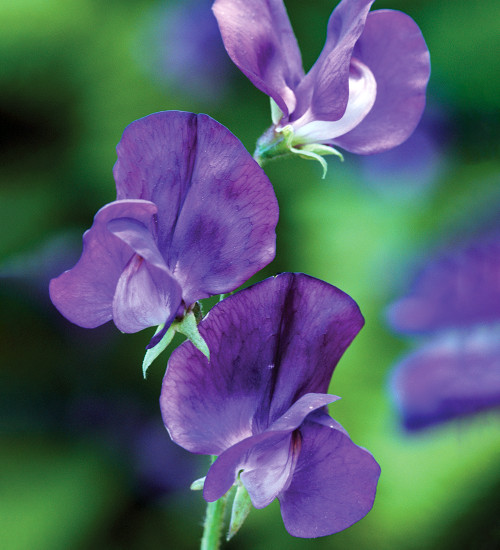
{"points": [[259, 39], [394, 49], [333, 484], [145, 296], [325, 89], [268, 460], [450, 377], [217, 211], [269, 345], [84, 294], [457, 289]]}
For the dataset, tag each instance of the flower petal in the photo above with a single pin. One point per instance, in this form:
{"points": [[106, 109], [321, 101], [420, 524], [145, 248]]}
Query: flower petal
{"points": [[325, 89], [394, 49], [453, 376], [145, 296], [217, 210], [266, 462], [84, 294], [362, 94], [225, 231], [269, 345], [259, 39], [333, 484]]}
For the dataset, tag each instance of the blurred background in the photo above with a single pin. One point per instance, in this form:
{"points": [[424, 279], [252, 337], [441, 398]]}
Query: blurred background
{"points": [[84, 459]]}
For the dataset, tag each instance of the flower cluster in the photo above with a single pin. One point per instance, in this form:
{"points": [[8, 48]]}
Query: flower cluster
{"points": [[195, 216], [455, 301]]}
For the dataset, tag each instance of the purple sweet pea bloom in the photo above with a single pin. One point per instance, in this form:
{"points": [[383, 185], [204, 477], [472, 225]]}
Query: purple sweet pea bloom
{"points": [[261, 403], [366, 91], [194, 216], [456, 372]]}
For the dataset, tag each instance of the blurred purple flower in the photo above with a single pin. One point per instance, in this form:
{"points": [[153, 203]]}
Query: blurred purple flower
{"points": [[195, 216], [261, 403], [366, 91], [456, 299]]}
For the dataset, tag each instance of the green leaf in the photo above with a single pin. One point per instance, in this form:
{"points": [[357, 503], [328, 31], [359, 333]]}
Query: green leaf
{"points": [[152, 354], [240, 510], [189, 328]]}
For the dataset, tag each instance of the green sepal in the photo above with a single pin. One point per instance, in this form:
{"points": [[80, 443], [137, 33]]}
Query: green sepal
{"points": [[240, 510], [189, 328], [152, 354]]}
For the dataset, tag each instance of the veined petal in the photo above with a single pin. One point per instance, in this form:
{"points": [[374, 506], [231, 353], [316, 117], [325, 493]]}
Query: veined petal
{"points": [[84, 294], [139, 238], [325, 89], [362, 94], [145, 296], [333, 484], [394, 49], [225, 231], [265, 354], [259, 39]]}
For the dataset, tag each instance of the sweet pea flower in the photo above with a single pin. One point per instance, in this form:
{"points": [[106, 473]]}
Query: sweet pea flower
{"points": [[365, 93], [194, 216], [260, 404], [455, 302]]}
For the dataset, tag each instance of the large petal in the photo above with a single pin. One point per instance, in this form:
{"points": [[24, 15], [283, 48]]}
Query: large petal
{"points": [[225, 231], [323, 93], [269, 345], [333, 484], [394, 49], [156, 155], [145, 296], [266, 461], [259, 39], [84, 294], [459, 288], [453, 376]]}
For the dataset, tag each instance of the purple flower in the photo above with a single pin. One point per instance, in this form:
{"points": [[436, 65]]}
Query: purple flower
{"points": [[365, 93], [456, 299], [261, 403], [194, 216]]}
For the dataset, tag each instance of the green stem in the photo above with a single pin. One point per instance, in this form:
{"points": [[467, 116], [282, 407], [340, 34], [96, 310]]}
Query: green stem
{"points": [[214, 519]]}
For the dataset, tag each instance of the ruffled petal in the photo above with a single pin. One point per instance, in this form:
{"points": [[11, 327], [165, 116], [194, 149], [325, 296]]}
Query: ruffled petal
{"points": [[269, 345], [333, 484], [259, 39], [225, 231], [145, 296], [324, 91], [84, 294], [266, 462], [156, 156], [453, 376], [217, 211], [394, 49]]}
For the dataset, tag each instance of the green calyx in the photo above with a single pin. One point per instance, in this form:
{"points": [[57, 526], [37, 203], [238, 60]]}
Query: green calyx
{"points": [[278, 142], [188, 326]]}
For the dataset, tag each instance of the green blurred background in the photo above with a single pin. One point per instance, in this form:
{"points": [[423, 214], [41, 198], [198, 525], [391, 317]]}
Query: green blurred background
{"points": [[84, 460]]}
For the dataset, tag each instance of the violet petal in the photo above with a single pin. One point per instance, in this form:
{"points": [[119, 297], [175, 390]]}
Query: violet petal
{"points": [[325, 88], [393, 47], [333, 484], [145, 296], [269, 345], [84, 294], [259, 39]]}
